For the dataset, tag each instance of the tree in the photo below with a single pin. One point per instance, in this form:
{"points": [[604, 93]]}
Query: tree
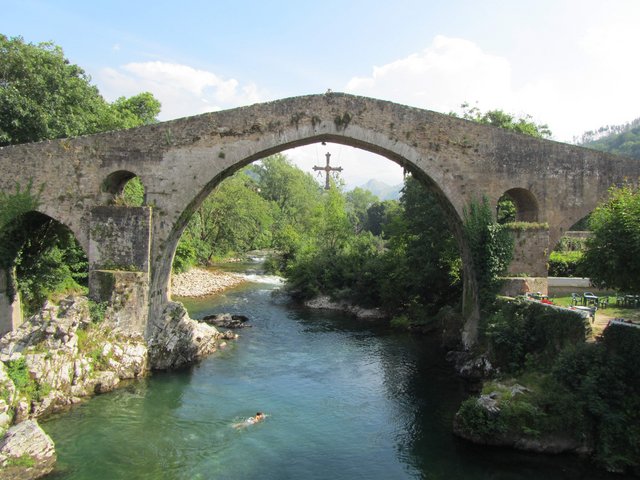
{"points": [[44, 96], [499, 118], [233, 219], [612, 258], [491, 248], [359, 201], [380, 216], [296, 199]]}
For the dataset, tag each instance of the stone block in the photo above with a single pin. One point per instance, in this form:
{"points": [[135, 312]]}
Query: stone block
{"points": [[119, 238]]}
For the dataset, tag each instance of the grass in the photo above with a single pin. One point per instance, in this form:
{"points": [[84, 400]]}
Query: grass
{"points": [[603, 315]]}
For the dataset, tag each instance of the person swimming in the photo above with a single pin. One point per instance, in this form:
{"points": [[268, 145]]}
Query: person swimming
{"points": [[258, 417]]}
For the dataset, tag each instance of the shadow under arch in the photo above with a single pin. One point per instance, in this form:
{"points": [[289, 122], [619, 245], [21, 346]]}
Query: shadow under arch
{"points": [[525, 202], [41, 253], [470, 303]]}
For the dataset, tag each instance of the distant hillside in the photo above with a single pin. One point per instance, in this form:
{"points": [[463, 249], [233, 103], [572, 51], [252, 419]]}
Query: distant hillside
{"points": [[382, 190], [618, 139]]}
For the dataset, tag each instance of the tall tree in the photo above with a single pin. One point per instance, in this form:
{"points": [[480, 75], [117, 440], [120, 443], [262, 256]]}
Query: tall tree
{"points": [[44, 96], [612, 258]]}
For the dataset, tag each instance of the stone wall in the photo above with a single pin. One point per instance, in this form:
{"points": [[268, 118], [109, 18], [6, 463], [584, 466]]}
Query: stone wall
{"points": [[10, 310], [119, 247], [530, 252]]}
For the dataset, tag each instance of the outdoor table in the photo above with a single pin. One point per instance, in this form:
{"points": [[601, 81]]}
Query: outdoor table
{"points": [[589, 298]]}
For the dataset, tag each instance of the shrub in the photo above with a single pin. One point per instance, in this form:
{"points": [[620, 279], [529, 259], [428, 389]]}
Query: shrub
{"points": [[521, 332], [566, 264]]}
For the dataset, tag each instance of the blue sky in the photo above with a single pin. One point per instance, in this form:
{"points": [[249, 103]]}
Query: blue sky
{"points": [[569, 63]]}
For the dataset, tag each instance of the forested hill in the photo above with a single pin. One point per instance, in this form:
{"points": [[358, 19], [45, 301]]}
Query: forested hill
{"points": [[618, 139]]}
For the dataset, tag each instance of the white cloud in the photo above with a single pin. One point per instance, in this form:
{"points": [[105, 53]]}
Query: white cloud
{"points": [[182, 90], [441, 77], [593, 87]]}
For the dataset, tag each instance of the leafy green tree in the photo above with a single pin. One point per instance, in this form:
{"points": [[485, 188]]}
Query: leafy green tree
{"points": [[297, 203], [491, 248], [612, 258], [359, 201], [499, 118], [233, 219], [506, 211], [44, 96], [617, 139], [380, 216]]}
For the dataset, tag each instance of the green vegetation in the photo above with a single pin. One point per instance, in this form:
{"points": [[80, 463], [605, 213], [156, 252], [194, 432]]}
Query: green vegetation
{"points": [[520, 333], [612, 258], [24, 461], [566, 264], [491, 248], [618, 139], [506, 121], [554, 386], [44, 96], [25, 384]]}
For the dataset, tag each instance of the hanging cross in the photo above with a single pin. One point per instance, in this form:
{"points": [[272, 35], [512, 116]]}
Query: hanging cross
{"points": [[327, 170]]}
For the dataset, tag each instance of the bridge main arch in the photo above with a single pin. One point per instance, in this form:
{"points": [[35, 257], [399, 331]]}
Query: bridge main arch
{"points": [[208, 174]]}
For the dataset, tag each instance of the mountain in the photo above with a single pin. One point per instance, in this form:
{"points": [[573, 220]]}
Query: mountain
{"points": [[382, 190]]}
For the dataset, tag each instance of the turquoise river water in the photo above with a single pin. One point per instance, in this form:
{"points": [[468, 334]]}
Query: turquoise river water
{"points": [[344, 399]]}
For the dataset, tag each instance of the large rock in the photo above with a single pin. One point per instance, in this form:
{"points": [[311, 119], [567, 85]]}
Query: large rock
{"points": [[26, 452], [179, 340], [324, 302], [64, 368], [226, 320], [7, 398]]}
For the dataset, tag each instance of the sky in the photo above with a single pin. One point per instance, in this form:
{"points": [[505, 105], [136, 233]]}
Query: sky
{"points": [[571, 64]]}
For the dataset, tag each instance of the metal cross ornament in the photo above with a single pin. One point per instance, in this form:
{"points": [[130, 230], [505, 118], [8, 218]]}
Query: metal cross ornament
{"points": [[327, 170]]}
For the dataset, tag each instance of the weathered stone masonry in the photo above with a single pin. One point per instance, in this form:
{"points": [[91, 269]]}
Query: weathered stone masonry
{"points": [[181, 161]]}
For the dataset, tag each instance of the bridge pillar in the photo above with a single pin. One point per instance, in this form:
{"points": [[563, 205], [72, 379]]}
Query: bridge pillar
{"points": [[10, 306], [119, 260], [528, 270]]}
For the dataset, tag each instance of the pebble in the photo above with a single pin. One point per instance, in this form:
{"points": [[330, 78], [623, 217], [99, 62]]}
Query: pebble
{"points": [[199, 282]]}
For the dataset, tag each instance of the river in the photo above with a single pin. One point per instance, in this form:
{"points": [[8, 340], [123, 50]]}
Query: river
{"points": [[344, 400]]}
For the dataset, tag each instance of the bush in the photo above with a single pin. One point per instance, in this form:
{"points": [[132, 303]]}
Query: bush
{"points": [[566, 264], [521, 332], [604, 381], [25, 384]]}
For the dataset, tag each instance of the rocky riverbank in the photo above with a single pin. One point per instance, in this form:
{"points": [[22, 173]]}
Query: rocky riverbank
{"points": [[62, 355], [199, 282]]}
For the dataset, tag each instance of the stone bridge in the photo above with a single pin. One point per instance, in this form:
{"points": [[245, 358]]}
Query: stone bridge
{"points": [[180, 162]]}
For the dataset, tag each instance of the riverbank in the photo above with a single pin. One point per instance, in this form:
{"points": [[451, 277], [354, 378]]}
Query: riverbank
{"points": [[200, 282]]}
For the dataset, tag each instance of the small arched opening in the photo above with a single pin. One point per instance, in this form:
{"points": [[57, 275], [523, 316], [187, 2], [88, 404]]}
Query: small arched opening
{"points": [[517, 205], [124, 188]]}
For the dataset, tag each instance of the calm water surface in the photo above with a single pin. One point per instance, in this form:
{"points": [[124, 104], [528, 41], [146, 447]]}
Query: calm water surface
{"points": [[345, 400]]}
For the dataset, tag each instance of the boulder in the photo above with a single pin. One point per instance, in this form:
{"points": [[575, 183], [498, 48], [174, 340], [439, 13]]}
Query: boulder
{"points": [[178, 340], [26, 452], [226, 320]]}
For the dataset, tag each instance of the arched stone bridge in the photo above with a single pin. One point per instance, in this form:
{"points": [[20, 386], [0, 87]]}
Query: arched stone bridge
{"points": [[181, 161]]}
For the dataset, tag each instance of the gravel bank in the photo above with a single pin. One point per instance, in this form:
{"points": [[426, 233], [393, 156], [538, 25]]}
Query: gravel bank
{"points": [[199, 282]]}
